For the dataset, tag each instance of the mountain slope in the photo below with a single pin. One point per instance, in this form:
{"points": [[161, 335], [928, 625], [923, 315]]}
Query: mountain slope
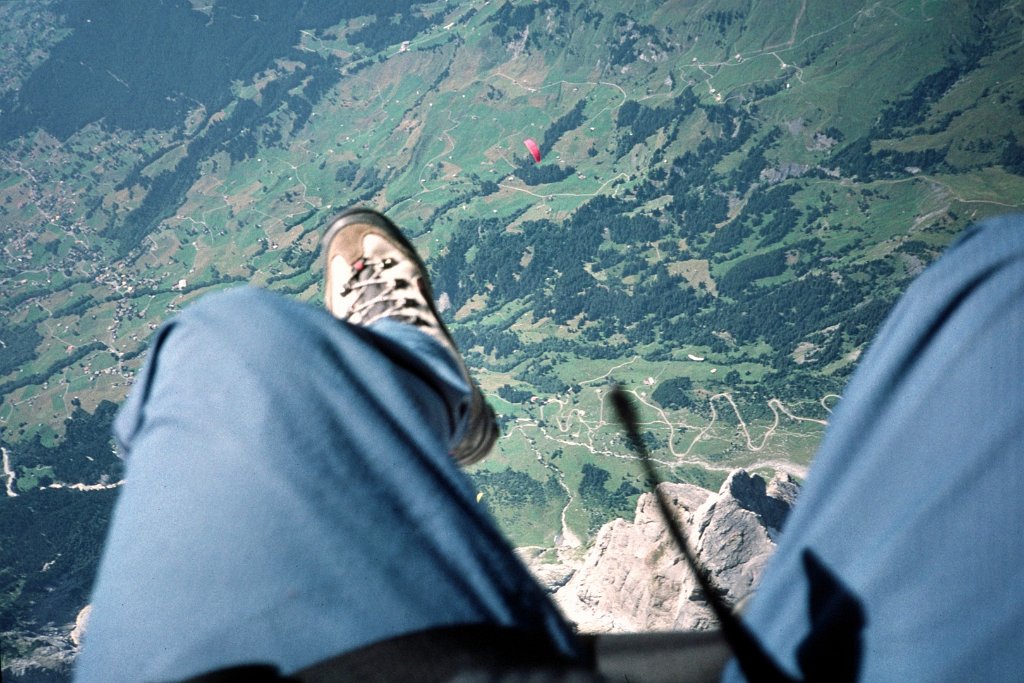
{"points": [[728, 203]]}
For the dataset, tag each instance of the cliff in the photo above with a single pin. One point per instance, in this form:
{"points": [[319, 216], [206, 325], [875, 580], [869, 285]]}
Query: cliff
{"points": [[633, 578]]}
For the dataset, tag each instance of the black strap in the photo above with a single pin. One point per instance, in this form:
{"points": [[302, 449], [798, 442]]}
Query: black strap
{"points": [[433, 656]]}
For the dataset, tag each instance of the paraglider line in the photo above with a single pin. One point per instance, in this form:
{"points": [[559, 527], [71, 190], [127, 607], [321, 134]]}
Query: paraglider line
{"points": [[753, 659]]}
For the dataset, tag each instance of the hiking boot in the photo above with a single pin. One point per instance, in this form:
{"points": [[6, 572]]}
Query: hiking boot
{"points": [[373, 272]]}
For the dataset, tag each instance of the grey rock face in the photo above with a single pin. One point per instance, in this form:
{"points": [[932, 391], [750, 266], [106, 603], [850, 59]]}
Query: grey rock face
{"points": [[737, 531], [50, 654], [633, 578]]}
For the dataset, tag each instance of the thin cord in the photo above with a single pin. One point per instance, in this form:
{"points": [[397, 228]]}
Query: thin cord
{"points": [[754, 660]]}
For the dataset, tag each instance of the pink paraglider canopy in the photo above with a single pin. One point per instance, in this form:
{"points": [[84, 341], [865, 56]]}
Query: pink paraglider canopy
{"points": [[534, 149]]}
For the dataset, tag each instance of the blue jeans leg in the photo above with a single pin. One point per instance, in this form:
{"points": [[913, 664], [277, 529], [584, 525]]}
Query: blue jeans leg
{"points": [[289, 497], [903, 558]]}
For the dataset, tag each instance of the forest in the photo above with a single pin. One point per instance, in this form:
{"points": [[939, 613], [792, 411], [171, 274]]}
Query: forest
{"points": [[766, 242], [238, 134], [60, 526], [659, 306], [174, 57], [143, 85], [511, 20], [599, 502]]}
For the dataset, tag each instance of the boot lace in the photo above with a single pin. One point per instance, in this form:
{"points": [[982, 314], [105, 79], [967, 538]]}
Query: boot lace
{"points": [[379, 296]]}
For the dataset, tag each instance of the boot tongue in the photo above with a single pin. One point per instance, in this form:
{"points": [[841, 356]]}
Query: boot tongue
{"points": [[362, 271]]}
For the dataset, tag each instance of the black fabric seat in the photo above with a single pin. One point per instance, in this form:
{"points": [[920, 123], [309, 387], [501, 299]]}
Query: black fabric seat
{"points": [[481, 654]]}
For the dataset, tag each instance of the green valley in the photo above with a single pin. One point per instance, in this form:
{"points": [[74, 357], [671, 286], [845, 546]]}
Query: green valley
{"points": [[731, 198]]}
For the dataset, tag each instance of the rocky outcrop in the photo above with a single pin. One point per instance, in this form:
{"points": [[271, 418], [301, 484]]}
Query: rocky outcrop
{"points": [[784, 171], [631, 578], [48, 655], [634, 579]]}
